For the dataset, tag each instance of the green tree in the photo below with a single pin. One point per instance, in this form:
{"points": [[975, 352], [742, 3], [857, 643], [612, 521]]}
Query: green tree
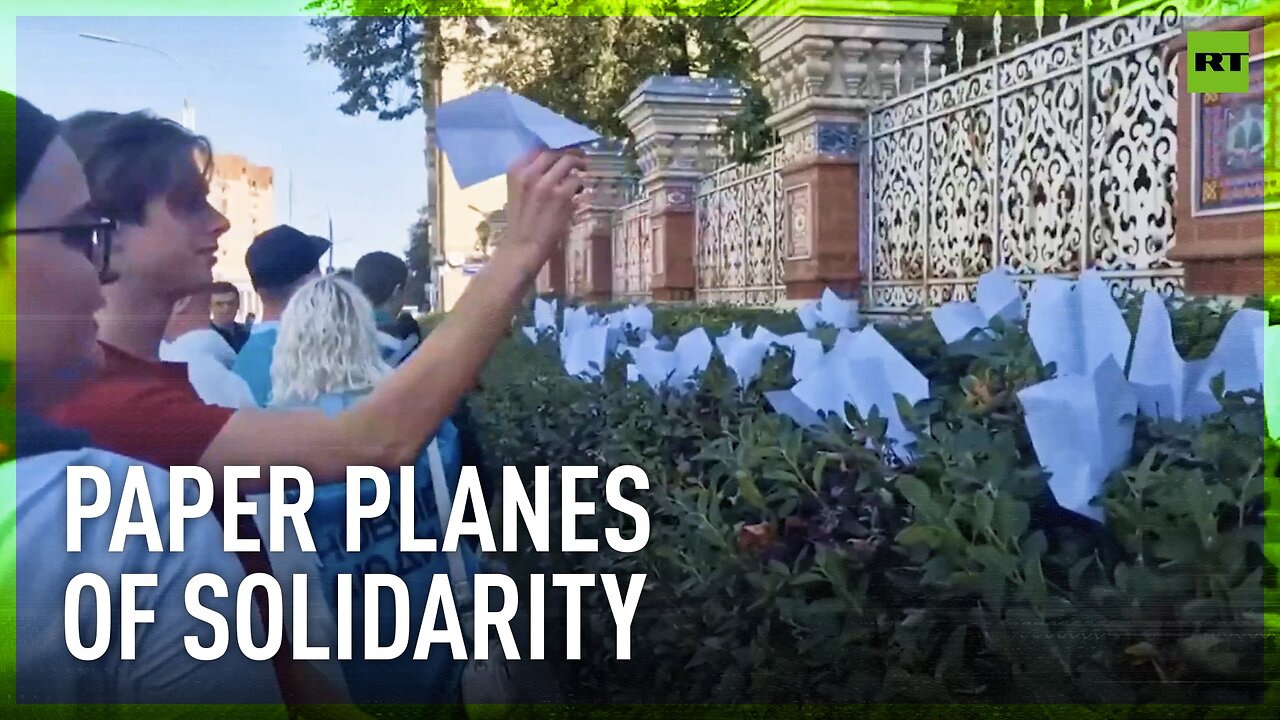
{"points": [[418, 258], [580, 66]]}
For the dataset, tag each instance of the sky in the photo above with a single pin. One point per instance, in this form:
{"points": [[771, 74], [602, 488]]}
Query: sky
{"points": [[255, 94]]}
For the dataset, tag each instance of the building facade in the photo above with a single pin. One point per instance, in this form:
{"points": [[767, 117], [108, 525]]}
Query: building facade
{"points": [[464, 213], [245, 194]]}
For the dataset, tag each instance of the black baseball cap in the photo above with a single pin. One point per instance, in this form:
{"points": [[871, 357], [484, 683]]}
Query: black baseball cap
{"points": [[283, 255]]}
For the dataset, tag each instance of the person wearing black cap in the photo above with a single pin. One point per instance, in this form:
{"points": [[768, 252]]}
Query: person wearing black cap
{"points": [[63, 253], [279, 260]]}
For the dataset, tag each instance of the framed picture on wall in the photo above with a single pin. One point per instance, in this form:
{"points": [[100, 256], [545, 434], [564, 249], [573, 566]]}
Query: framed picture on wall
{"points": [[1231, 170]]}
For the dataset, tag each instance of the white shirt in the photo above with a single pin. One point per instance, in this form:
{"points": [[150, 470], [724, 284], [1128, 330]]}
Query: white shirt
{"points": [[206, 342], [213, 380], [162, 672]]}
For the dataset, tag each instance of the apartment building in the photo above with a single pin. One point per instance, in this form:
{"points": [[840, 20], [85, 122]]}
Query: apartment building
{"points": [[245, 193]]}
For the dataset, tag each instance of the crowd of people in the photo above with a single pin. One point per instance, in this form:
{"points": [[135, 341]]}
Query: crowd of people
{"points": [[128, 354]]}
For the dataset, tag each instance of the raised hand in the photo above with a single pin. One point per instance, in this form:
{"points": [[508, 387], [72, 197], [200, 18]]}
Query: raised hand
{"points": [[542, 188]]}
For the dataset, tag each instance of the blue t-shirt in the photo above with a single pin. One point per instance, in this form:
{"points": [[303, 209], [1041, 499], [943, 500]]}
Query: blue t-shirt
{"points": [[436, 679], [253, 363]]}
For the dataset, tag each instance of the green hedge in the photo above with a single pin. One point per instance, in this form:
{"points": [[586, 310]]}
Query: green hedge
{"points": [[790, 566]]}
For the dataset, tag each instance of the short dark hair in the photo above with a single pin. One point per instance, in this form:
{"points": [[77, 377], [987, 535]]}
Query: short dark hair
{"points": [[378, 274], [222, 287], [132, 158]]}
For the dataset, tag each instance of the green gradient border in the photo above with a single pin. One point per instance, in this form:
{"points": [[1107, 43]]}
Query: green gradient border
{"points": [[269, 8]]}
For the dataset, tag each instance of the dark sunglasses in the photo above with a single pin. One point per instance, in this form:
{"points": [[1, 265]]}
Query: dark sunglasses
{"points": [[91, 239]]}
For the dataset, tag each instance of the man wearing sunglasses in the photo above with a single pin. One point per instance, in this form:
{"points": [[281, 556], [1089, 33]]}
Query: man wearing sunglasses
{"points": [[63, 250]]}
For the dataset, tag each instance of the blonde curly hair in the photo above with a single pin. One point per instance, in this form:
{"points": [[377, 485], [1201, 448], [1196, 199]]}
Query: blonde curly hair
{"points": [[327, 343]]}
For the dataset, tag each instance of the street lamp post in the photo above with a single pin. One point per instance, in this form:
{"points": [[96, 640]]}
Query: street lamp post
{"points": [[188, 112]]}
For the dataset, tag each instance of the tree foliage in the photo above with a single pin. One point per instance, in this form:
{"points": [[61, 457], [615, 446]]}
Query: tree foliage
{"points": [[418, 258], [587, 67], [377, 59], [580, 66]]}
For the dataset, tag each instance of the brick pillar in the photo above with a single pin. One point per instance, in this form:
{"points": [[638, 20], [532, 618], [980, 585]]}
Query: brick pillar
{"points": [[825, 73], [675, 122], [551, 277], [589, 252], [1221, 238]]}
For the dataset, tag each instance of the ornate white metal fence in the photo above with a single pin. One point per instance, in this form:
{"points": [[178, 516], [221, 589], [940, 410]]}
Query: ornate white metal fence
{"points": [[740, 226], [632, 250], [1053, 159]]}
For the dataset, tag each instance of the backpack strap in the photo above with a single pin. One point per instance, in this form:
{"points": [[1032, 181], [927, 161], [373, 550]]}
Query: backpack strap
{"points": [[444, 508]]}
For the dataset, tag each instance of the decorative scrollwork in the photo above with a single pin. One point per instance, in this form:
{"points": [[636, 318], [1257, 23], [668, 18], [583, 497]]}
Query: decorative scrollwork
{"points": [[1132, 161], [633, 250], [899, 114], [900, 207], [962, 90], [962, 194], [1042, 61], [738, 250], [1124, 32], [1067, 162], [1041, 172]]}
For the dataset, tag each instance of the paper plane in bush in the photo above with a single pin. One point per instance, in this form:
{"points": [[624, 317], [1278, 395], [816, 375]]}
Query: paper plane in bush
{"points": [[576, 320], [583, 351], [544, 319], [1082, 430], [1236, 356], [1166, 385], [877, 373], [1077, 325], [544, 314], [830, 310], [483, 134], [797, 404], [675, 367], [743, 356], [807, 354], [996, 296], [865, 371], [638, 318]]}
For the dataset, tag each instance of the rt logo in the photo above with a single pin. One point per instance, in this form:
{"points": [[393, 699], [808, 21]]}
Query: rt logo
{"points": [[1219, 62]]}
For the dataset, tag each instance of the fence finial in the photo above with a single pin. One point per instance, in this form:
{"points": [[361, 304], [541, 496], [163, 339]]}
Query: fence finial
{"points": [[897, 75], [1115, 6], [1039, 18], [959, 49], [928, 62], [1062, 22]]}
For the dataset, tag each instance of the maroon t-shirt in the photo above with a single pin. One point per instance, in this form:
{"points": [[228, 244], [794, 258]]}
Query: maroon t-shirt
{"points": [[144, 409], [149, 411]]}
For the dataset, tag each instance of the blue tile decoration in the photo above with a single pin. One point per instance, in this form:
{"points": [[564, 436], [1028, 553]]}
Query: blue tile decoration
{"points": [[842, 139]]}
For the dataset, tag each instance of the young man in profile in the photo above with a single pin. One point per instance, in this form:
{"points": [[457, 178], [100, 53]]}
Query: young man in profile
{"points": [[224, 305], [152, 176]]}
